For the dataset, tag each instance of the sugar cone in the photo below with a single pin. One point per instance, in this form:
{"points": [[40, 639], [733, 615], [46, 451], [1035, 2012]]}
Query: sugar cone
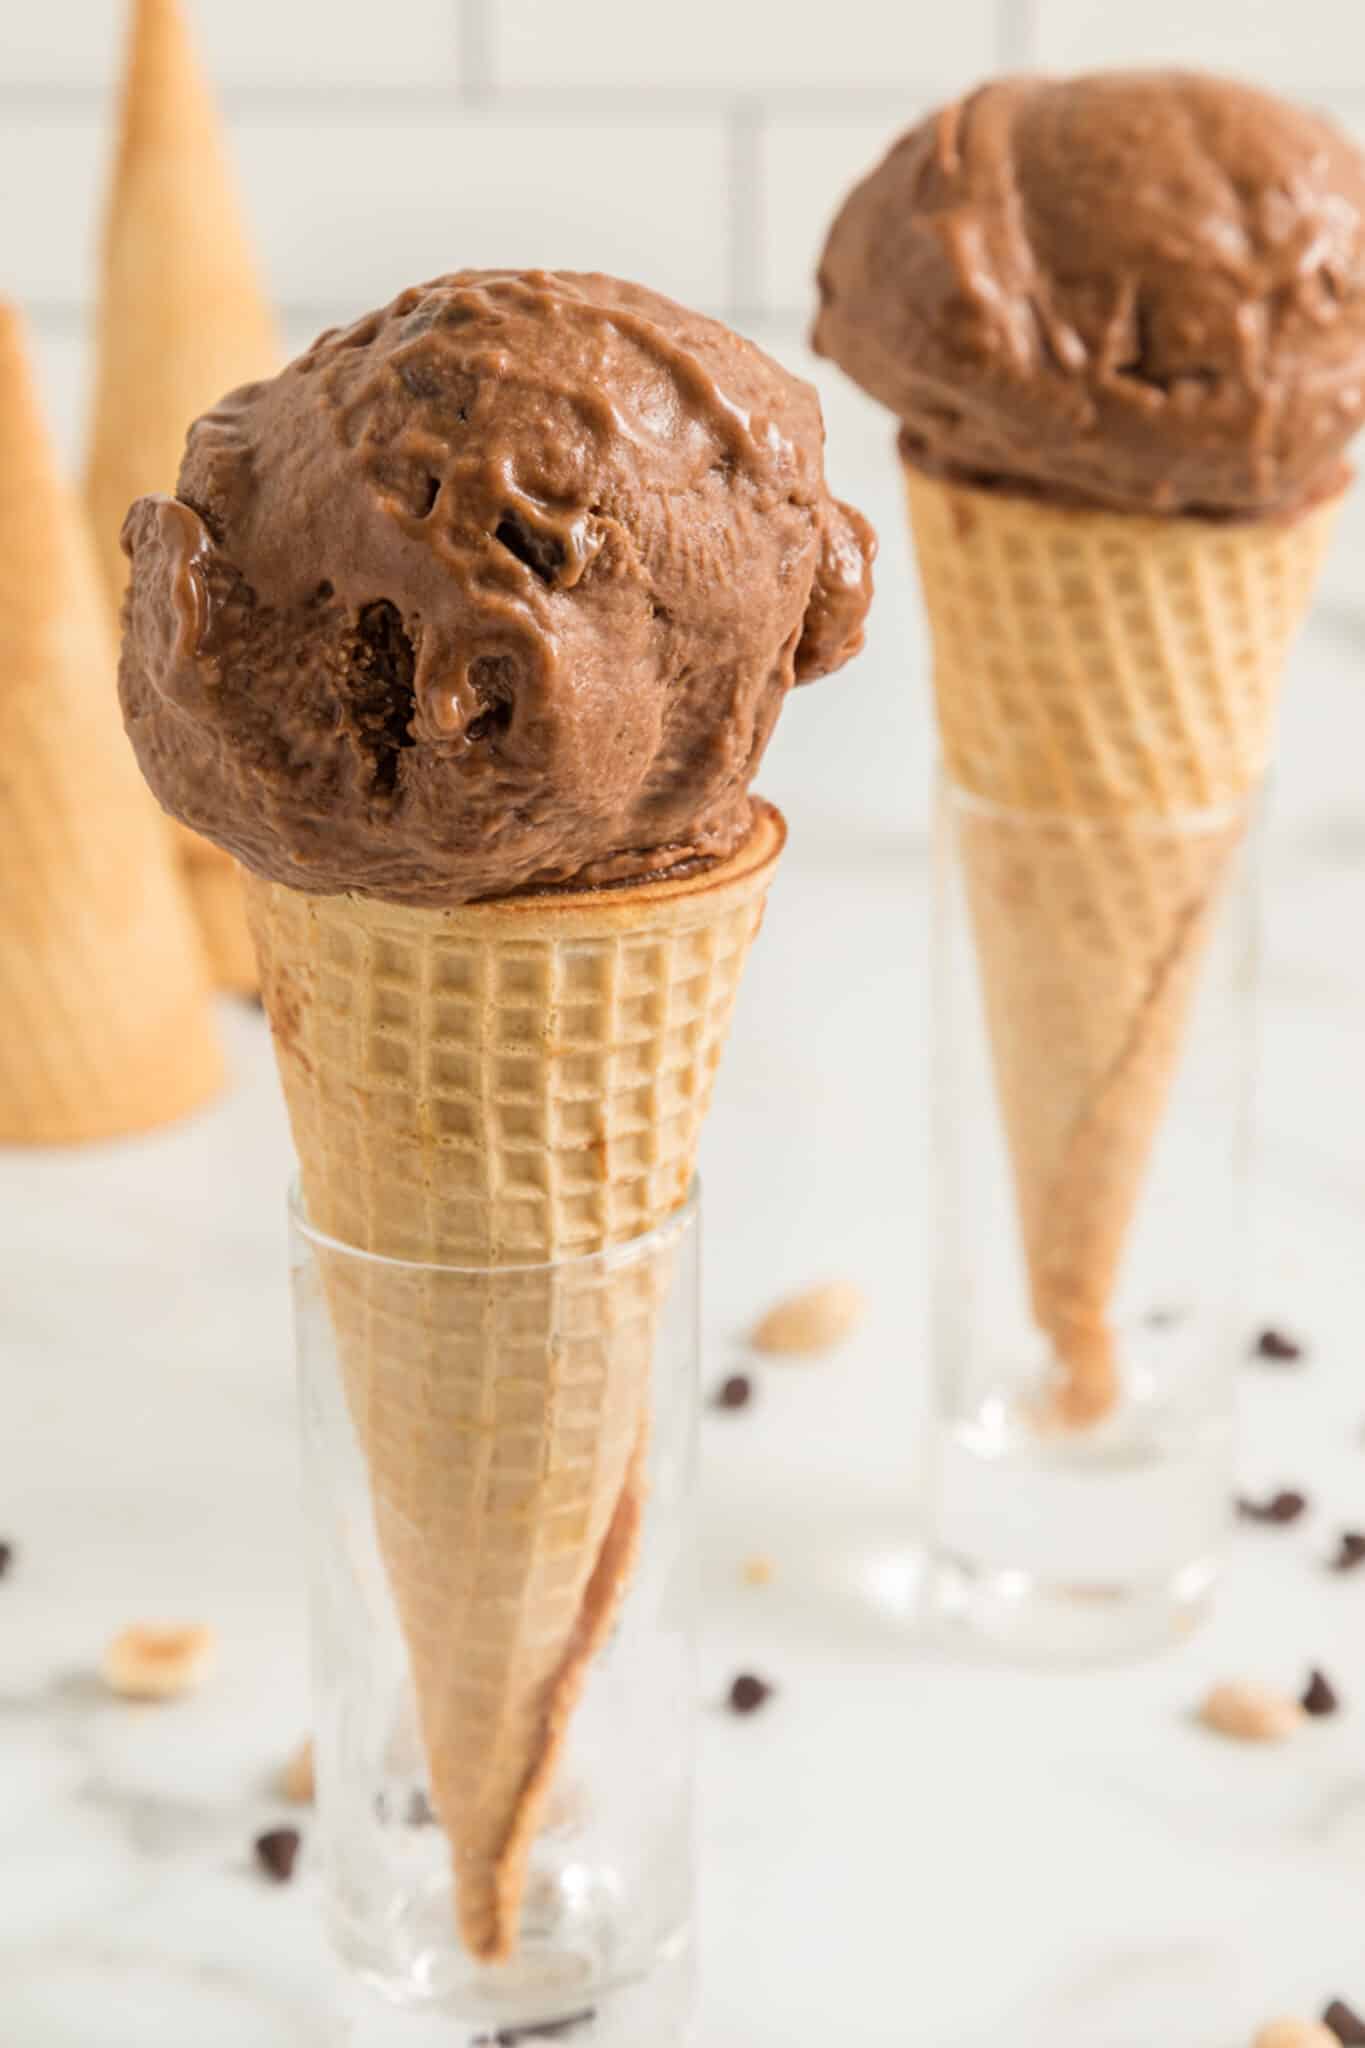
{"points": [[107, 1027], [182, 320], [507, 1083], [1107, 687]]}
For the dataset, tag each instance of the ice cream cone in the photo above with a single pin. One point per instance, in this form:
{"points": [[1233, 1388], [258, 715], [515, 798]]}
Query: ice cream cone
{"points": [[102, 984], [499, 1086], [182, 320], [1106, 686]]}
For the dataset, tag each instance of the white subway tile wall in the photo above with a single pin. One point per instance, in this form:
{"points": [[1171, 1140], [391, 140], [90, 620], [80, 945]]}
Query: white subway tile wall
{"points": [[737, 45], [1308, 46], [387, 202], [265, 43], [805, 165], [701, 149]]}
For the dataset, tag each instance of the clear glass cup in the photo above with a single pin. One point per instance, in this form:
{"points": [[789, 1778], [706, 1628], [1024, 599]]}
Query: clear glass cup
{"points": [[602, 1948], [1094, 1051]]}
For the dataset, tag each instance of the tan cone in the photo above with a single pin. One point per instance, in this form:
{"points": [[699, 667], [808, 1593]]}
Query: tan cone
{"points": [[182, 320], [501, 1084], [1099, 678], [105, 1003]]}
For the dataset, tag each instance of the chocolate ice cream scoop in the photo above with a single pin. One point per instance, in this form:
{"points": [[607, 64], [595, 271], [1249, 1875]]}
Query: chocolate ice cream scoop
{"points": [[501, 587], [1144, 290]]}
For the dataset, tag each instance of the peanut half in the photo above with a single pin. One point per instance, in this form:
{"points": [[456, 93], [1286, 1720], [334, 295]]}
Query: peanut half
{"points": [[296, 1780], [1296, 2034], [1250, 1713], [814, 1321], [147, 1662]]}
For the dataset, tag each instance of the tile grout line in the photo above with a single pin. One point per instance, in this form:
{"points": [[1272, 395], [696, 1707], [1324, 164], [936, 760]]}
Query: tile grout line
{"points": [[67, 317], [745, 204], [331, 105], [474, 51], [1016, 34]]}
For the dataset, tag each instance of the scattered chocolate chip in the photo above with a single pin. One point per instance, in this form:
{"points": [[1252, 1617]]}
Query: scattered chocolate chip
{"points": [[748, 1693], [254, 1001], [1282, 1507], [6, 1557], [1350, 1551], [1348, 2026], [421, 1812], [1319, 1695], [277, 1852], [1274, 1344], [736, 1392], [537, 2030]]}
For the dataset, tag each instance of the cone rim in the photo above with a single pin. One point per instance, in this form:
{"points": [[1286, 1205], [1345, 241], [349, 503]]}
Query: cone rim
{"points": [[1208, 820], [614, 903], [1125, 519]]}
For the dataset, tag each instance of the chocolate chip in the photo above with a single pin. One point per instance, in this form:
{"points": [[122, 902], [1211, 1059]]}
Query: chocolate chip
{"points": [[421, 1812], [1275, 1345], [536, 2030], [6, 1557], [254, 1001], [1350, 1551], [736, 1392], [1282, 1507], [1348, 2026], [1319, 1696], [748, 1693], [277, 1852]]}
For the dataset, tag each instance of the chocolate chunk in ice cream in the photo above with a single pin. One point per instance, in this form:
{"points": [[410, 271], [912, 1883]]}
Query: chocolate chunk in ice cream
{"points": [[501, 587], [1142, 290]]}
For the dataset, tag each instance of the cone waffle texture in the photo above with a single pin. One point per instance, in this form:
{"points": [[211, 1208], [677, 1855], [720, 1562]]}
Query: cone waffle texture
{"points": [[103, 992], [503, 1085], [1107, 688], [182, 320]]}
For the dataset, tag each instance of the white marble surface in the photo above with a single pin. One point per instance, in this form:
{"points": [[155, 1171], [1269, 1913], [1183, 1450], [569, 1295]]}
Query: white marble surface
{"points": [[907, 1847]]}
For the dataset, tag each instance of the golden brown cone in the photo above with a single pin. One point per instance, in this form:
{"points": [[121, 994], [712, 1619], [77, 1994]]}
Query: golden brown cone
{"points": [[510, 1082], [1107, 687], [182, 320], [107, 1022]]}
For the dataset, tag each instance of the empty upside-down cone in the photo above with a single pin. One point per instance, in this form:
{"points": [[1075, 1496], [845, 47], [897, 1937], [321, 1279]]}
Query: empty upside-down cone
{"points": [[182, 319], [502, 1085], [1106, 687], [103, 994]]}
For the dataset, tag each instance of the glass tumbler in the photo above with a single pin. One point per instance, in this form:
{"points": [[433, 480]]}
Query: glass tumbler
{"points": [[1094, 1042], [482, 1446]]}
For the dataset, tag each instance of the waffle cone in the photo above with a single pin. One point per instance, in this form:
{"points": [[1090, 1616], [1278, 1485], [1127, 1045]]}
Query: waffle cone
{"points": [[500, 1086], [107, 1025], [1107, 688], [182, 319]]}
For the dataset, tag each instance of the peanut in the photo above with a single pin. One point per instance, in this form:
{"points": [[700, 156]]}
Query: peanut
{"points": [[814, 1321], [1250, 1713], [296, 1779], [1296, 2034], [147, 1662]]}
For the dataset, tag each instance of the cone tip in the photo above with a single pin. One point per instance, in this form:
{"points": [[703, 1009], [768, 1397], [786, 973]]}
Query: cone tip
{"points": [[162, 81], [20, 414]]}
